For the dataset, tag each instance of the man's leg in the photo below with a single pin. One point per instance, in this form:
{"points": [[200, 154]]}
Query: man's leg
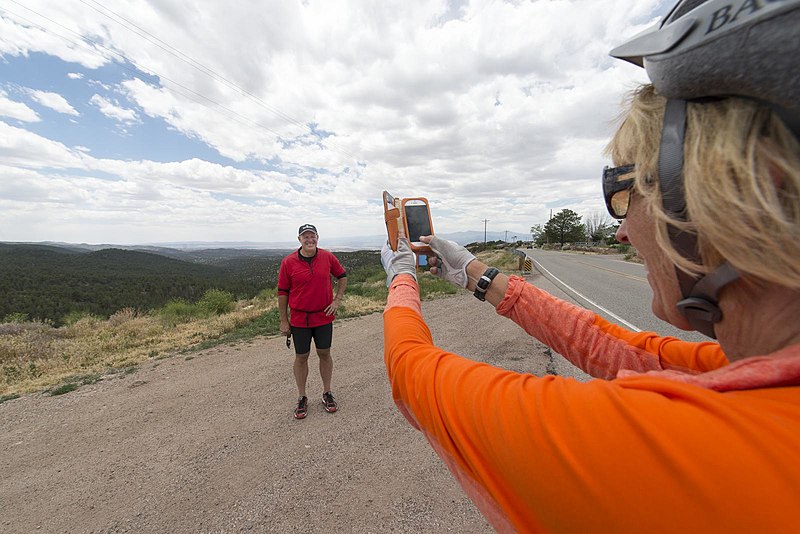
{"points": [[302, 348], [325, 368], [323, 336], [301, 372]]}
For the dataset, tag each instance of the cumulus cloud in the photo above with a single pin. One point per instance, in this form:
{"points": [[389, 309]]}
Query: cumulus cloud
{"points": [[16, 110], [53, 101], [24, 149], [112, 110]]}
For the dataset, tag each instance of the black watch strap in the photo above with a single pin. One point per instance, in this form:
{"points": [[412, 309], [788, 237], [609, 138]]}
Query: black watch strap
{"points": [[484, 282]]}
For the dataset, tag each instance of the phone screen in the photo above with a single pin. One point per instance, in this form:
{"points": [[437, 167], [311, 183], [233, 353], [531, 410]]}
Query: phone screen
{"points": [[418, 221]]}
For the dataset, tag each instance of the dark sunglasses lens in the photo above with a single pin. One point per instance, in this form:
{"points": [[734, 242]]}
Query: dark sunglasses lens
{"points": [[619, 203], [617, 185]]}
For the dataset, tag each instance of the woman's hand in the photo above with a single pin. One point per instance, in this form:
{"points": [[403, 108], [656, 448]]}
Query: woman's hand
{"points": [[449, 261], [400, 262]]}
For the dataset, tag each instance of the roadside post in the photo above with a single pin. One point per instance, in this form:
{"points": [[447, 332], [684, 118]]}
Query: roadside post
{"points": [[525, 264]]}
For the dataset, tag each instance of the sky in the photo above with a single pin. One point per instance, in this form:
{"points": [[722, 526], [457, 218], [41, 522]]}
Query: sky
{"points": [[155, 121]]}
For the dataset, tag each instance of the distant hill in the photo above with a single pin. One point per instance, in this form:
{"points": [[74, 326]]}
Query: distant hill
{"points": [[213, 251], [51, 281], [48, 282]]}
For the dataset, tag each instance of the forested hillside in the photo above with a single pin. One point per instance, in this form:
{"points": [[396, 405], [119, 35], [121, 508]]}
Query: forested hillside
{"points": [[49, 282]]}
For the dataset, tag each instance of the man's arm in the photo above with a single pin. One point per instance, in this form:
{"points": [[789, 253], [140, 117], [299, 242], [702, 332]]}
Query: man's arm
{"points": [[341, 284], [283, 309], [284, 283]]}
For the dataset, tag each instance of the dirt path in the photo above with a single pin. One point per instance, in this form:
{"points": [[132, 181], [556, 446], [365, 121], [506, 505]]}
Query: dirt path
{"points": [[207, 443]]}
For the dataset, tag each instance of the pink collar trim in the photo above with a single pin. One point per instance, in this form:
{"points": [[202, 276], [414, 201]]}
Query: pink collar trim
{"points": [[779, 369]]}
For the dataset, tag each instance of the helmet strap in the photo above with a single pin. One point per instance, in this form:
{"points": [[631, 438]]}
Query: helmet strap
{"points": [[700, 294]]}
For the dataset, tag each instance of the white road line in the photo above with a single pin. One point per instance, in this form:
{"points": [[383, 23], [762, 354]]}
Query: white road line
{"points": [[553, 278]]}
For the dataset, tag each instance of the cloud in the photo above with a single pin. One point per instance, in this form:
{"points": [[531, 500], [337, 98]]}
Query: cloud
{"points": [[21, 37], [16, 110], [314, 107], [114, 111], [53, 101], [24, 149]]}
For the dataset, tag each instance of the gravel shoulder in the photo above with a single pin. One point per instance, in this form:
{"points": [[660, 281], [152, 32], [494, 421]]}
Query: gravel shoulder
{"points": [[207, 442]]}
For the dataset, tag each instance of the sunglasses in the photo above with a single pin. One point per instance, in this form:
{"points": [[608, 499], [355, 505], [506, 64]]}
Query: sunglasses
{"points": [[618, 184]]}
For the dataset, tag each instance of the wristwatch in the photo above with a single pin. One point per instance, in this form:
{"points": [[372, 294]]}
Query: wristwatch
{"points": [[484, 282]]}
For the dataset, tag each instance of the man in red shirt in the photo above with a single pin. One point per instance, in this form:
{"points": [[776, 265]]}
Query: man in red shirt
{"points": [[304, 285]]}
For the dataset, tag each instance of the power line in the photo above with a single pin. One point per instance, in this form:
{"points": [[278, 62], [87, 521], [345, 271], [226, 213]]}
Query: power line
{"points": [[129, 25], [204, 69], [230, 113], [140, 69]]}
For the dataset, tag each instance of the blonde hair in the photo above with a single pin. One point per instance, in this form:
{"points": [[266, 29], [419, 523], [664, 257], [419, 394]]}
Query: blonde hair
{"points": [[741, 180]]}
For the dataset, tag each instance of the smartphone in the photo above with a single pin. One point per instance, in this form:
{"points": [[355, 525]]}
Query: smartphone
{"points": [[417, 222]]}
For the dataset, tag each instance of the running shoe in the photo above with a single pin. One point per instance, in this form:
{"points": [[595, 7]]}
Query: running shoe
{"points": [[302, 408], [329, 402]]}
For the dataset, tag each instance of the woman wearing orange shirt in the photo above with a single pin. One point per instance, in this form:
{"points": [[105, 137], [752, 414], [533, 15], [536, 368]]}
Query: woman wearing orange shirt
{"points": [[670, 436]]}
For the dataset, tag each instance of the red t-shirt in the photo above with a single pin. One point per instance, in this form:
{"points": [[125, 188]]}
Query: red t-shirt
{"points": [[307, 282]]}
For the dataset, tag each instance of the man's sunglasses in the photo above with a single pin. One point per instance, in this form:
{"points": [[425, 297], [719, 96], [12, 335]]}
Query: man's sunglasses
{"points": [[618, 184]]}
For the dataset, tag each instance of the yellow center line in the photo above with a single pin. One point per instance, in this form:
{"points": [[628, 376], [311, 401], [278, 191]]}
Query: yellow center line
{"points": [[626, 275]]}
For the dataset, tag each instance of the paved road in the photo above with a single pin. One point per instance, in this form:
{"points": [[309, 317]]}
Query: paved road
{"points": [[607, 284]]}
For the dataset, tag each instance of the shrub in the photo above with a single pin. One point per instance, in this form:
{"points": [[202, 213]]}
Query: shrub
{"points": [[74, 316], [16, 318], [216, 302], [267, 295], [12, 373], [177, 311], [123, 316]]}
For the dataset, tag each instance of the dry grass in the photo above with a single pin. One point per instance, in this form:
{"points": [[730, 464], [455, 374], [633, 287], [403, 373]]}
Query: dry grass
{"points": [[501, 259], [36, 356]]}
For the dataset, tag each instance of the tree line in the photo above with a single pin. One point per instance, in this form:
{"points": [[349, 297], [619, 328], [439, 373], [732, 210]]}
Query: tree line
{"points": [[39, 282], [566, 226]]}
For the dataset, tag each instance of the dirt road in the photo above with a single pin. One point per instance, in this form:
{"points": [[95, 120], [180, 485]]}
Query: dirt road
{"points": [[207, 442]]}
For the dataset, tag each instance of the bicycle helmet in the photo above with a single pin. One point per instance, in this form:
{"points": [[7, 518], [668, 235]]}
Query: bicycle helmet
{"points": [[707, 48], [714, 49]]}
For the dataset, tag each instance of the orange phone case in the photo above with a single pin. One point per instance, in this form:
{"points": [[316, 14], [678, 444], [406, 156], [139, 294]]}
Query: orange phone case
{"points": [[391, 215]]}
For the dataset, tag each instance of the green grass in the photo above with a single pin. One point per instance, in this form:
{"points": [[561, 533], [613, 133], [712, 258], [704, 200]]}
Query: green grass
{"points": [[4, 398], [64, 388]]}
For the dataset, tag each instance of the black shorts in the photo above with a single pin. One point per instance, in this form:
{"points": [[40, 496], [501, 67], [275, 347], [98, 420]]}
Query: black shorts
{"points": [[322, 336]]}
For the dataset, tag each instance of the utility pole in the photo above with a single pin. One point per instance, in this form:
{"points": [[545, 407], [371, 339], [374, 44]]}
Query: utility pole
{"points": [[484, 230]]}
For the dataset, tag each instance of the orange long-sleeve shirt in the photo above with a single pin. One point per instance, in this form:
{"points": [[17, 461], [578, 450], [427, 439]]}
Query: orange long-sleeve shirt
{"points": [[680, 441]]}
